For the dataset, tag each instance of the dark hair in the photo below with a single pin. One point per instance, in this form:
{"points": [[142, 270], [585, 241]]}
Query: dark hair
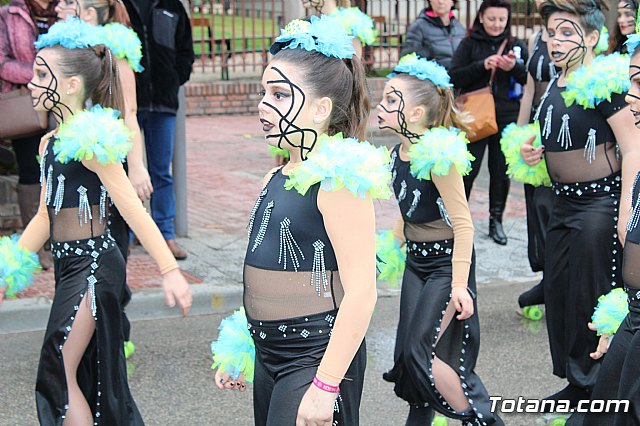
{"points": [[616, 39], [343, 81], [477, 26], [109, 11], [97, 68], [439, 103], [589, 12]]}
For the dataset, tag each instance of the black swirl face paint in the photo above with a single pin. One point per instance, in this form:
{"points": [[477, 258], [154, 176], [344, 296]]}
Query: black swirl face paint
{"points": [[577, 53], [627, 14], [286, 124], [402, 121], [50, 98], [634, 71]]}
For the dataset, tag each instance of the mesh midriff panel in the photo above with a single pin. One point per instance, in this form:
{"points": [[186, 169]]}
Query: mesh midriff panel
{"points": [[276, 295], [631, 265], [572, 166], [437, 230], [68, 225]]}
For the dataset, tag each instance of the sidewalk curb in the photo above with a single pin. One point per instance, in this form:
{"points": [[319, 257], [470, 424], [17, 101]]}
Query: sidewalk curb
{"points": [[23, 315]]}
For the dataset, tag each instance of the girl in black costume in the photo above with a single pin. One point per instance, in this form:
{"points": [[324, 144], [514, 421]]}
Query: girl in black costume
{"points": [[438, 334], [585, 135], [82, 374]]}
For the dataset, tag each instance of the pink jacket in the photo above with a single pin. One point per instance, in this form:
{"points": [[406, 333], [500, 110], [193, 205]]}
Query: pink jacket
{"points": [[18, 32]]}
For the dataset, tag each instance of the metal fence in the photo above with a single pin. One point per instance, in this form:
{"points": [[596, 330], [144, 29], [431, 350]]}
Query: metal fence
{"points": [[232, 37]]}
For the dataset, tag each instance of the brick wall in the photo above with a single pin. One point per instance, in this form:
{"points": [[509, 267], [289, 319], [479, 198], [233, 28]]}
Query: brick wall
{"points": [[241, 97]]}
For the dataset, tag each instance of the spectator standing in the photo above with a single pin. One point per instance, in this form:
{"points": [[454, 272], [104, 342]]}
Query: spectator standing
{"points": [[625, 25], [435, 34], [167, 57], [470, 70], [21, 21]]}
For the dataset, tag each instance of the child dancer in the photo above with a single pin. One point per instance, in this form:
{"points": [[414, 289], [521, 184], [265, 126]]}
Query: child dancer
{"points": [[309, 271], [438, 333], [82, 375], [585, 133]]}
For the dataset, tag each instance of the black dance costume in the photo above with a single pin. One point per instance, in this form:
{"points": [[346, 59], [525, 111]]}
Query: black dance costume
{"points": [[426, 293], [582, 254], [619, 376], [540, 199], [292, 293], [87, 263]]}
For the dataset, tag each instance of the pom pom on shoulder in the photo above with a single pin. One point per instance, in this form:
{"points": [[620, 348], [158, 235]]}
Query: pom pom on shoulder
{"points": [[588, 86], [612, 308], [390, 258], [357, 23], [278, 152], [439, 149], [73, 33], [633, 40], [234, 352], [339, 163], [17, 265], [124, 43], [93, 133], [513, 136]]}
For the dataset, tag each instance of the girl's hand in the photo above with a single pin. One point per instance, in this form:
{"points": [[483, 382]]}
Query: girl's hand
{"points": [[462, 301], [603, 344], [529, 153], [316, 408], [224, 381], [140, 180], [176, 289]]}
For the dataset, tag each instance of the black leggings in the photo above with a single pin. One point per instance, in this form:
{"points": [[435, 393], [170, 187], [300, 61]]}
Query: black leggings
{"points": [[286, 364], [497, 164], [26, 151]]}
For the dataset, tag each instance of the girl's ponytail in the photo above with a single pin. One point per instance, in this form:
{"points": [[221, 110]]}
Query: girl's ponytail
{"points": [[108, 91], [360, 107]]}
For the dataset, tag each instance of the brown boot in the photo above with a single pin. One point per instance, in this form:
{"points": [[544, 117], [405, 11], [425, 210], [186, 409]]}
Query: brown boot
{"points": [[29, 201], [178, 252]]}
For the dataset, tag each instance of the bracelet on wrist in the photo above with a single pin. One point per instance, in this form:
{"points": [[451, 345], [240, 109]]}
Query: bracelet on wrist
{"points": [[324, 386]]}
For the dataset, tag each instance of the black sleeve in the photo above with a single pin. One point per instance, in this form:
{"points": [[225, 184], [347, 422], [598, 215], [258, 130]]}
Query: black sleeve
{"points": [[184, 47], [416, 42], [608, 109], [465, 71]]}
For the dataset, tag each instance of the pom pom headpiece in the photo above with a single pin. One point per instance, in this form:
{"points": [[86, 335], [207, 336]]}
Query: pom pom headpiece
{"points": [[74, 33], [422, 69], [324, 35]]}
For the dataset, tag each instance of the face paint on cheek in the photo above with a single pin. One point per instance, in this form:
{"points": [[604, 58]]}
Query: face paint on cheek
{"points": [[636, 113], [286, 123], [50, 98], [575, 54], [402, 122]]}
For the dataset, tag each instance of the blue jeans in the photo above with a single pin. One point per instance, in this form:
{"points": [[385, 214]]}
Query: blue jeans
{"points": [[158, 129]]}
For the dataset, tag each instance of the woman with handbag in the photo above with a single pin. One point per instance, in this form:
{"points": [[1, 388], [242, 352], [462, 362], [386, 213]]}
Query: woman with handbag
{"points": [[490, 55], [21, 21]]}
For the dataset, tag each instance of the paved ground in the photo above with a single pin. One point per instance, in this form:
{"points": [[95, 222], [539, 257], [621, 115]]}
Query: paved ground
{"points": [[226, 162]]}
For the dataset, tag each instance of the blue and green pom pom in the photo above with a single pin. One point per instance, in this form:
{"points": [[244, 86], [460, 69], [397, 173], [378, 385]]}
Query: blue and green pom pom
{"points": [[17, 266], [513, 136], [124, 43], [603, 41], [606, 75], [234, 352], [612, 308], [323, 35], [437, 151], [357, 23], [422, 69], [72, 33], [339, 163], [93, 133], [390, 258], [278, 152]]}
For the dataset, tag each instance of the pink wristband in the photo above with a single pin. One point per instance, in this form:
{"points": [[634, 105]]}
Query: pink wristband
{"points": [[325, 387]]}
